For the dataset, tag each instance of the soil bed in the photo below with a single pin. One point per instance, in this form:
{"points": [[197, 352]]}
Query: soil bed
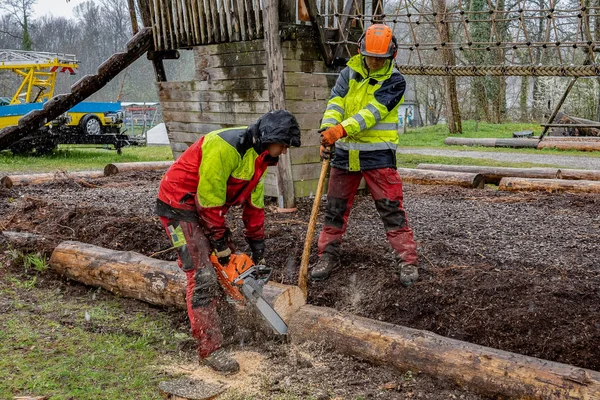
{"points": [[517, 272]]}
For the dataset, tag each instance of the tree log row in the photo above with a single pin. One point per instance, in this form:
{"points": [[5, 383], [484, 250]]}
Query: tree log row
{"points": [[425, 177]]}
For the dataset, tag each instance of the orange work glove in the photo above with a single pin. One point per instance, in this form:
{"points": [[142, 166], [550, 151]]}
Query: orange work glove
{"points": [[325, 153], [331, 135]]}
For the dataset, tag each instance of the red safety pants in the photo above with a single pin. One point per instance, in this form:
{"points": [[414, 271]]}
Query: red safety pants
{"points": [[193, 252], [385, 187]]}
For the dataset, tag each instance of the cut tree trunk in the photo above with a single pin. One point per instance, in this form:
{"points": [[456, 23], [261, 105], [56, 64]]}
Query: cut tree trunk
{"points": [[495, 174], [569, 145], [154, 281], [481, 369], [116, 168], [478, 368], [548, 185], [580, 174], [35, 179], [423, 177]]}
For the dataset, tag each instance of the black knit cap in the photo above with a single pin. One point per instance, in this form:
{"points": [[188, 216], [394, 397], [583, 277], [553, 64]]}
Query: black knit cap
{"points": [[279, 126]]}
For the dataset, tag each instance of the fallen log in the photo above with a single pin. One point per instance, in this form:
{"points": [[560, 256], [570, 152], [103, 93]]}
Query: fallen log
{"points": [[491, 142], [569, 145], [494, 174], [113, 169], [548, 185], [154, 281], [580, 174], [35, 179], [478, 368], [482, 369], [423, 177]]}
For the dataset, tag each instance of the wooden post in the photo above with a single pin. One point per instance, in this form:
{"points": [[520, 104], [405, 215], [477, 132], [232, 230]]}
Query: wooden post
{"points": [[317, 21], [276, 88], [134, 23]]}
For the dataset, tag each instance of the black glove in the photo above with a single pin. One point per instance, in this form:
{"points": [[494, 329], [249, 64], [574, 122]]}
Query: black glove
{"points": [[258, 250], [222, 250]]}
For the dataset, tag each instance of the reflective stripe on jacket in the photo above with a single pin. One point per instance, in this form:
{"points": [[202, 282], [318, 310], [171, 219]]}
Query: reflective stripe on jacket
{"points": [[366, 104], [218, 171]]}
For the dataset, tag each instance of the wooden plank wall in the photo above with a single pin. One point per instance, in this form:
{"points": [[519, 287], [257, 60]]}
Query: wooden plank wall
{"points": [[230, 89]]}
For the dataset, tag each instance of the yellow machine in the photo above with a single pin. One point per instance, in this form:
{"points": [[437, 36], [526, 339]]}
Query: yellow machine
{"points": [[85, 123], [38, 71]]}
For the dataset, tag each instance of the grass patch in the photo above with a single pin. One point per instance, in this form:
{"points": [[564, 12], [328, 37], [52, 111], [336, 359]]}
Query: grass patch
{"points": [[77, 344], [80, 158], [433, 137]]}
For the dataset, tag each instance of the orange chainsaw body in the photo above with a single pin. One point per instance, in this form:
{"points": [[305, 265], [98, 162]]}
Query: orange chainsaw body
{"points": [[228, 275]]}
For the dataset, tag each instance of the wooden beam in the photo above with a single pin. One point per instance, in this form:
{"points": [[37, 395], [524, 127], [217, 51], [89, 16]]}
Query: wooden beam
{"points": [[276, 89], [116, 168], [492, 372], [548, 185], [495, 174], [318, 23], [132, 15], [424, 177], [491, 142]]}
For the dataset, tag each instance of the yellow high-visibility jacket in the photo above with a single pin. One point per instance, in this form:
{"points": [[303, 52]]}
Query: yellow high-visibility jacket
{"points": [[366, 104]]}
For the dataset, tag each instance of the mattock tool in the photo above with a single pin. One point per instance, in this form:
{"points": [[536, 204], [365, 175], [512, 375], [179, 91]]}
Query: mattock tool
{"points": [[303, 275]]}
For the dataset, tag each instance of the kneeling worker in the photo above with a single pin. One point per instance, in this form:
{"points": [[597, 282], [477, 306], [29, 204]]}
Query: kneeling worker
{"points": [[222, 169]]}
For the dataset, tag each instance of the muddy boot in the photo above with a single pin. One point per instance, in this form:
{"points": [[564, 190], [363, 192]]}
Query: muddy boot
{"points": [[220, 361], [407, 273], [324, 267]]}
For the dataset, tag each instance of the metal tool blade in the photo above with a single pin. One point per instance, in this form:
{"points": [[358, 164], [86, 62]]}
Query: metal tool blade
{"points": [[251, 291]]}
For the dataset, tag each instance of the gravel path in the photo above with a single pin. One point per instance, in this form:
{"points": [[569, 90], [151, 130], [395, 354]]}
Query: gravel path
{"points": [[577, 162]]}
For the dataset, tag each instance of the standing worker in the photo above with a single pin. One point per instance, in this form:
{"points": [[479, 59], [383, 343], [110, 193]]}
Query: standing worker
{"points": [[361, 120], [222, 169]]}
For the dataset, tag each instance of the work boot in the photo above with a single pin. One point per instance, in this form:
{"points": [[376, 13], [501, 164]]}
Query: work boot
{"points": [[407, 273], [220, 361], [324, 267]]}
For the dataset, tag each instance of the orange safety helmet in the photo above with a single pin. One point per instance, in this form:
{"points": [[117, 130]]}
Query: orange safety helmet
{"points": [[378, 41]]}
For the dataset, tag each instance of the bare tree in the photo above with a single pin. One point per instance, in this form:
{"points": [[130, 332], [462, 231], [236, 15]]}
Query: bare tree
{"points": [[21, 12]]}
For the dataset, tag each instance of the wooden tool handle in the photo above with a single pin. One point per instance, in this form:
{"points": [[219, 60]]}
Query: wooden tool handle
{"points": [[303, 276]]}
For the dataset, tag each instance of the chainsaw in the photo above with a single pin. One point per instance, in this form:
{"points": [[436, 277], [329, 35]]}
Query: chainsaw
{"points": [[243, 283]]}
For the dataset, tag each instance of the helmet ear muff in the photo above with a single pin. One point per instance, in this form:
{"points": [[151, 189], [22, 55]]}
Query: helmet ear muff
{"points": [[360, 41], [393, 47]]}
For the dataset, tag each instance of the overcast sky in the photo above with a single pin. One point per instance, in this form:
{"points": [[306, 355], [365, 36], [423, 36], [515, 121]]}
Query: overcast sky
{"points": [[55, 7]]}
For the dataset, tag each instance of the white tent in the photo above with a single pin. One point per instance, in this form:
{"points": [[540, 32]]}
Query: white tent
{"points": [[157, 136]]}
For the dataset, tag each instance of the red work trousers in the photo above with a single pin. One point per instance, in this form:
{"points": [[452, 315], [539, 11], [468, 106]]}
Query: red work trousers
{"points": [[385, 186], [202, 287]]}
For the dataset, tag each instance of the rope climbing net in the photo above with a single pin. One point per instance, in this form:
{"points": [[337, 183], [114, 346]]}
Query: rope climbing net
{"points": [[478, 37]]}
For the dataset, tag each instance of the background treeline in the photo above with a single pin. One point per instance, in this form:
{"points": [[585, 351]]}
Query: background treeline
{"points": [[102, 27], [99, 29]]}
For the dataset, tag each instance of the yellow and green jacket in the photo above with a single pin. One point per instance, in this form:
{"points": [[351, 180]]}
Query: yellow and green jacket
{"points": [[366, 104]]}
